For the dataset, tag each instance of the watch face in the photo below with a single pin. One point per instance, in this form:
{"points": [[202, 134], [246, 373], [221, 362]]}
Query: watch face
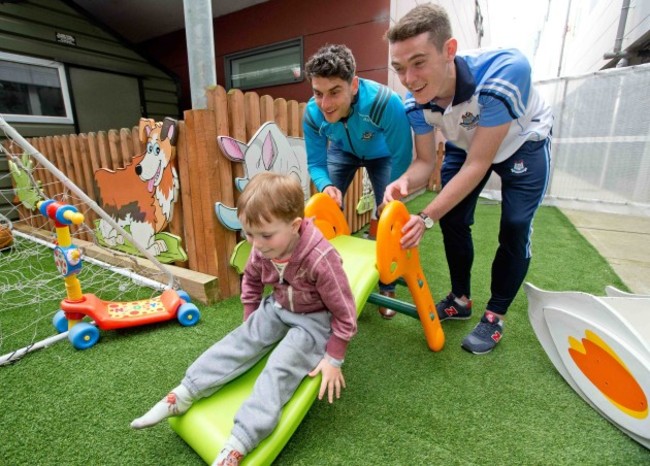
{"points": [[428, 222]]}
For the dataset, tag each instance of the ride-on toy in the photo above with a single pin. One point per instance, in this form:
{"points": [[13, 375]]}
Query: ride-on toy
{"points": [[107, 315]]}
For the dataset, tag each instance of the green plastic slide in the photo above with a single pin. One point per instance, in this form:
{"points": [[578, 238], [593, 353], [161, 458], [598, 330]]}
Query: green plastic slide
{"points": [[207, 425]]}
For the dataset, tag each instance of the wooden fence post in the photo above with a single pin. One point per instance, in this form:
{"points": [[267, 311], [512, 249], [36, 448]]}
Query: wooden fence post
{"points": [[236, 109], [267, 109], [189, 229], [293, 119], [252, 114], [208, 172], [280, 114]]}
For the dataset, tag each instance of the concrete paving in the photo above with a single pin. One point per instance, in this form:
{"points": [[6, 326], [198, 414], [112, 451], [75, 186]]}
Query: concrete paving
{"points": [[623, 240]]}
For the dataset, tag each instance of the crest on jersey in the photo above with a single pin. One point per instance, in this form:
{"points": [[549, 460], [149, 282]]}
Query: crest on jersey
{"points": [[469, 120]]}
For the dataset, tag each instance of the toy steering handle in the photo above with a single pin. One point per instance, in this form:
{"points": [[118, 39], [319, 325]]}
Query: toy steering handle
{"points": [[62, 214]]}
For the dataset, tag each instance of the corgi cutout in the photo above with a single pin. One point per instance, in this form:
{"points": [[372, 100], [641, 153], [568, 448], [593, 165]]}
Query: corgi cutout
{"points": [[140, 197]]}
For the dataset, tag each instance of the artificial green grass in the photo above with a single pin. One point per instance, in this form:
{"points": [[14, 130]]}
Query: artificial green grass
{"points": [[403, 405]]}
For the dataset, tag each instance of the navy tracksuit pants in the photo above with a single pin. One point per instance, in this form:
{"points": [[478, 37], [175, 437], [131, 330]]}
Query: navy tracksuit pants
{"points": [[524, 178]]}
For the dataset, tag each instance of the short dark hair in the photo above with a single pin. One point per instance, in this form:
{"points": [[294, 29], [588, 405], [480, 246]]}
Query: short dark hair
{"points": [[271, 196], [423, 18], [332, 61]]}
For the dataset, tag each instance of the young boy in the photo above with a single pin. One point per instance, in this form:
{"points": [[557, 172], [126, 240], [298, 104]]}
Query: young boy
{"points": [[310, 314]]}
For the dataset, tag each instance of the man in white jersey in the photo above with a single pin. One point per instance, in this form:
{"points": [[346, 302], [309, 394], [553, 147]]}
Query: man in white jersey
{"points": [[494, 120]]}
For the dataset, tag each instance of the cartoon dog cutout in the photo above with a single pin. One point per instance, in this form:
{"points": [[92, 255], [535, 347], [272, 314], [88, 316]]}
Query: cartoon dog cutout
{"points": [[268, 150], [140, 197]]}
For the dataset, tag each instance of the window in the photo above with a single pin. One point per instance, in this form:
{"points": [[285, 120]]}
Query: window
{"points": [[271, 65], [33, 90]]}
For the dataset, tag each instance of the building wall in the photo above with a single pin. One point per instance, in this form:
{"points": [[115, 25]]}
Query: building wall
{"points": [[29, 28], [359, 24], [591, 28], [461, 16]]}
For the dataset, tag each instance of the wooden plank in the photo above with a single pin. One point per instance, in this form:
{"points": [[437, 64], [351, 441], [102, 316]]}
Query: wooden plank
{"points": [[52, 182], [237, 126], [293, 119], [93, 152], [176, 221], [301, 112], [63, 164], [88, 177], [73, 173], [126, 148], [138, 147], [267, 110], [114, 149], [190, 241], [54, 157], [71, 169], [252, 114], [280, 114], [105, 160], [40, 173], [211, 98], [229, 280], [199, 174], [82, 181]]}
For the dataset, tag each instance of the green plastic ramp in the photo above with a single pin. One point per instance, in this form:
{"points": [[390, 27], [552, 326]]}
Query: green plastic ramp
{"points": [[207, 425]]}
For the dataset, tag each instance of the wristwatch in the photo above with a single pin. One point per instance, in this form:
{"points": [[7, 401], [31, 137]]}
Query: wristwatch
{"points": [[428, 221]]}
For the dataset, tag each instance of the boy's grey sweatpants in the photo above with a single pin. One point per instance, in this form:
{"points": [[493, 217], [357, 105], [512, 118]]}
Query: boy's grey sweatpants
{"points": [[302, 339]]}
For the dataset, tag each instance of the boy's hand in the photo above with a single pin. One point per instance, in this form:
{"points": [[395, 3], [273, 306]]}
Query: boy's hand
{"points": [[332, 381]]}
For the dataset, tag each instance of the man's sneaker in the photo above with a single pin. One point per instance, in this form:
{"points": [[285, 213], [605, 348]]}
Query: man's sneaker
{"points": [[453, 308], [384, 311], [485, 336]]}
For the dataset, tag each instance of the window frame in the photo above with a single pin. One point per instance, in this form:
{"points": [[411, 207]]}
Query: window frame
{"points": [[67, 102], [257, 51]]}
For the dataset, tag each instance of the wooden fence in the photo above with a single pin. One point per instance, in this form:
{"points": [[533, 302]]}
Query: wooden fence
{"points": [[206, 176]]}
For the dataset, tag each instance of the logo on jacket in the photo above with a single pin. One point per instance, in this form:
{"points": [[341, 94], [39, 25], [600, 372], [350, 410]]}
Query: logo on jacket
{"points": [[518, 167], [367, 135], [469, 120]]}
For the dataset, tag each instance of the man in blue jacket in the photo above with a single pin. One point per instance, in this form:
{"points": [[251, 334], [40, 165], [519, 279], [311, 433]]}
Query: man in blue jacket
{"points": [[351, 123]]}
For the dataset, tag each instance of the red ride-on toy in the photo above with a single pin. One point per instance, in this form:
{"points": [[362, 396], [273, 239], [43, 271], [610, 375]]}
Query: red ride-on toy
{"points": [[107, 315]]}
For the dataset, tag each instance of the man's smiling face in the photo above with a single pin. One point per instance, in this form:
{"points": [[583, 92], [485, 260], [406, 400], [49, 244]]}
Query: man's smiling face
{"points": [[424, 70], [334, 96]]}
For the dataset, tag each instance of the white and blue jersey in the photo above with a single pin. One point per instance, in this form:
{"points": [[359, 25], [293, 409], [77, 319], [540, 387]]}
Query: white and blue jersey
{"points": [[493, 87], [376, 127]]}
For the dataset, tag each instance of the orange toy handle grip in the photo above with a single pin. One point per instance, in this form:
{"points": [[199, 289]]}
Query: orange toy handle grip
{"points": [[329, 218], [394, 262]]}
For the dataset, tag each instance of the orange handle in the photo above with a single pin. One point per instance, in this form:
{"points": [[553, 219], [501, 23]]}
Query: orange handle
{"points": [[394, 262], [329, 217]]}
